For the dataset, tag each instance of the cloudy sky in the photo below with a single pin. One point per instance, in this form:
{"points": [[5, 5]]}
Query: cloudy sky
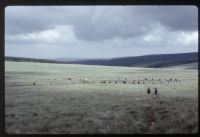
{"points": [[99, 31]]}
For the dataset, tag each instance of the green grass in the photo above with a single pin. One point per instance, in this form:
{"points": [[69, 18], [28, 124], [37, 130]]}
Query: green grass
{"points": [[60, 106]]}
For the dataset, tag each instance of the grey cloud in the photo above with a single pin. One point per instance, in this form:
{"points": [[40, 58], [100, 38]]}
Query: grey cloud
{"points": [[101, 22], [177, 17], [99, 31], [132, 21], [27, 19], [23, 20]]}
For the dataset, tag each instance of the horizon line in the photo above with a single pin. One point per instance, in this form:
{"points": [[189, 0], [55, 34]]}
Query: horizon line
{"points": [[84, 58]]}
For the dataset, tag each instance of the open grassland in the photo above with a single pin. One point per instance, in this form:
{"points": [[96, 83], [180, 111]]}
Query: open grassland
{"points": [[185, 66], [69, 99]]}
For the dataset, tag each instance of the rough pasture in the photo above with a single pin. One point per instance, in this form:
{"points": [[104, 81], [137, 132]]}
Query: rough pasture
{"points": [[57, 104]]}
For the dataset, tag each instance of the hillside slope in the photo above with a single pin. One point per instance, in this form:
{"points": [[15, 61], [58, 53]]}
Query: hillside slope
{"points": [[149, 61]]}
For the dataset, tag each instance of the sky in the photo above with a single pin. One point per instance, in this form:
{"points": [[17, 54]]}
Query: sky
{"points": [[99, 31]]}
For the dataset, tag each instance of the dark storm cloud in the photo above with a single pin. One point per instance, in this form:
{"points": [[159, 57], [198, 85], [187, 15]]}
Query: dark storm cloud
{"points": [[174, 17], [101, 22], [22, 20], [28, 19]]}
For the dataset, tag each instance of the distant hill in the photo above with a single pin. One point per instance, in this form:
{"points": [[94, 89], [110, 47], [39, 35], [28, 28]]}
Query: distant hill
{"points": [[22, 59], [148, 61], [68, 59]]}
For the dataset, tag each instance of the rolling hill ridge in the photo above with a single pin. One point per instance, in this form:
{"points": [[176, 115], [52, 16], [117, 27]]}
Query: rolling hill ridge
{"points": [[148, 61]]}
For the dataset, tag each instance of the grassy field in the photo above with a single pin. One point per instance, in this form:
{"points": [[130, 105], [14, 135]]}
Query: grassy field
{"points": [[192, 66], [42, 98]]}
